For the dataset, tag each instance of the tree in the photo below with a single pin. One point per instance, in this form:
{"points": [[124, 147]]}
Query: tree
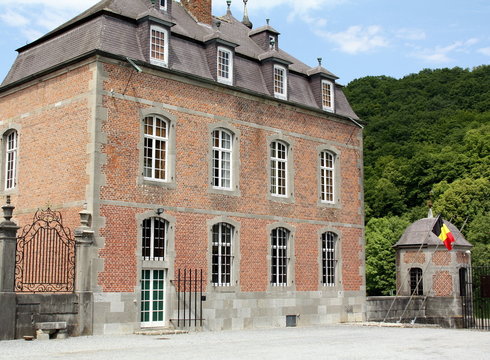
{"points": [[463, 200], [381, 235]]}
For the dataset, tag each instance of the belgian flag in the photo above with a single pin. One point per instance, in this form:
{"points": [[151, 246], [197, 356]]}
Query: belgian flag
{"points": [[443, 233]]}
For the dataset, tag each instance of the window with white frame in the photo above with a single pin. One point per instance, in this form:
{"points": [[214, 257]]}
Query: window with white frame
{"points": [[225, 66], [222, 257], [327, 177], [329, 258], [279, 256], [163, 4], [158, 46], [153, 239], [10, 159], [222, 159], [155, 145], [327, 95], [279, 168], [280, 82]]}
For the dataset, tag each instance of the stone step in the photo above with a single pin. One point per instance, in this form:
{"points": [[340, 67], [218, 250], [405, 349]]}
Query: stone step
{"points": [[166, 331]]}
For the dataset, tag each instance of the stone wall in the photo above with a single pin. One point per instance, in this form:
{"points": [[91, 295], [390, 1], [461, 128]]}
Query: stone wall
{"points": [[443, 311]]}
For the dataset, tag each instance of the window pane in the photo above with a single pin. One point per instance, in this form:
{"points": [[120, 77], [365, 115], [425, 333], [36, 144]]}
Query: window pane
{"points": [[222, 235]]}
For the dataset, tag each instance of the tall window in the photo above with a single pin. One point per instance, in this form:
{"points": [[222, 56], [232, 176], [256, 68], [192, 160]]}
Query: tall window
{"points": [[222, 257], [155, 148], [416, 281], [153, 239], [279, 256], [163, 4], [279, 168], [327, 172], [329, 258], [225, 66], [327, 95], [158, 46], [10, 160], [280, 82], [222, 157]]}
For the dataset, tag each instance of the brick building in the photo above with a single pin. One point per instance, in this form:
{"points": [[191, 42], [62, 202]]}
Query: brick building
{"points": [[190, 142]]}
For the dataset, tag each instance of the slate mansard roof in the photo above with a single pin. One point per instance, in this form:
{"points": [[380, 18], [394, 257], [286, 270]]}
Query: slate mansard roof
{"points": [[420, 233], [111, 27]]}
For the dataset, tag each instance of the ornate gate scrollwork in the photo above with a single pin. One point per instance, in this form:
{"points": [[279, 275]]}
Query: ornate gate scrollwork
{"points": [[45, 256]]}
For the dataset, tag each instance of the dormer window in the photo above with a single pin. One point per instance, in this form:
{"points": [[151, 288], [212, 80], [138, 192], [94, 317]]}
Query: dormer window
{"points": [[225, 66], [272, 43], [280, 82], [158, 46], [327, 96], [163, 4]]}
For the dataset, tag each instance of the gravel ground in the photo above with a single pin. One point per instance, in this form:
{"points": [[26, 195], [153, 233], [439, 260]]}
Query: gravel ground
{"points": [[329, 342]]}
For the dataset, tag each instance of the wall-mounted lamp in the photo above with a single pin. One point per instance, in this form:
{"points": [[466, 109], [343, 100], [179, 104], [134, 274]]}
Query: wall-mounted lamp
{"points": [[159, 211]]}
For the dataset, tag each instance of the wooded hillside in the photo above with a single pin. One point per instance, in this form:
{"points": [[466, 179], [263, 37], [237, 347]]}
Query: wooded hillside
{"points": [[427, 138]]}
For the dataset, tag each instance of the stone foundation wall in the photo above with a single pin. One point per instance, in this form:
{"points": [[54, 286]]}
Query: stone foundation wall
{"points": [[443, 311]]}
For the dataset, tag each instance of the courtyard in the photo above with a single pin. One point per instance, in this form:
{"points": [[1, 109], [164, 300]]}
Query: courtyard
{"points": [[327, 342]]}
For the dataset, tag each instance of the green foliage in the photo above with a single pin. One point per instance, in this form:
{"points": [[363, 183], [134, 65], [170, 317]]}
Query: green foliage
{"points": [[381, 235], [421, 130], [427, 138], [463, 200]]}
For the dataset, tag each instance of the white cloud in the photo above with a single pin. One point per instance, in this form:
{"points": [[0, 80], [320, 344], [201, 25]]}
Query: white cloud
{"points": [[297, 9], [443, 54], [76, 5], [357, 39], [14, 19], [484, 51]]}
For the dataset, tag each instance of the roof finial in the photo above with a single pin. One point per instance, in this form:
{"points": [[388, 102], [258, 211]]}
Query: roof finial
{"points": [[267, 21], [430, 215], [246, 21], [228, 3], [319, 61]]}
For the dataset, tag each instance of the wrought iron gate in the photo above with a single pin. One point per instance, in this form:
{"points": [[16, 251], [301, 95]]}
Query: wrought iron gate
{"points": [[475, 292], [45, 255], [189, 288]]}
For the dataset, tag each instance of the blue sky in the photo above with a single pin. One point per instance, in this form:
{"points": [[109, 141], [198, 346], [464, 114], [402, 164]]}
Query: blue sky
{"points": [[355, 38]]}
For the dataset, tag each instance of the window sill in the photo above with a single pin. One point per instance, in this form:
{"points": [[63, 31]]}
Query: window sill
{"points": [[158, 183], [221, 191], [281, 199], [222, 289]]}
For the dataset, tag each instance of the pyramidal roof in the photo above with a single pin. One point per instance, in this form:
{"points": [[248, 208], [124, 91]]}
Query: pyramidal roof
{"points": [[420, 233]]}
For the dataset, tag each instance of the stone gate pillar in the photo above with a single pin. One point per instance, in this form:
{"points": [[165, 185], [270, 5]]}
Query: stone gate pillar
{"points": [[84, 239], [8, 243]]}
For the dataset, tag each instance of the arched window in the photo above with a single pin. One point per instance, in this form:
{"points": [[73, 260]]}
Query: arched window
{"points": [[155, 148], [11, 147], [222, 159], [327, 177], [329, 258], [279, 168], [153, 240], [416, 281], [279, 256], [222, 257]]}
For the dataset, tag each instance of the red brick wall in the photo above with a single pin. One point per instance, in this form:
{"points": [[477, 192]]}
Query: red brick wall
{"points": [[441, 258], [412, 257], [201, 9], [121, 171], [442, 283], [52, 116]]}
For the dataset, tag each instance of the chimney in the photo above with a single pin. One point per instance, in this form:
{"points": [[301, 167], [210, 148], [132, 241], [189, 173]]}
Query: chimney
{"points": [[200, 9]]}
